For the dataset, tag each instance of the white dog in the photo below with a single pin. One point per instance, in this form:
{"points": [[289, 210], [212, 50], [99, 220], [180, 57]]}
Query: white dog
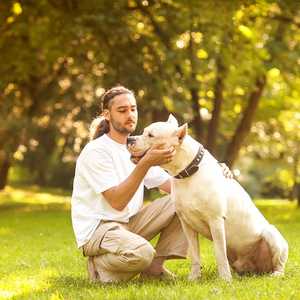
{"points": [[214, 206]]}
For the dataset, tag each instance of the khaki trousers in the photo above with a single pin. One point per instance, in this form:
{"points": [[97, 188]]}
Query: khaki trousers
{"points": [[120, 251]]}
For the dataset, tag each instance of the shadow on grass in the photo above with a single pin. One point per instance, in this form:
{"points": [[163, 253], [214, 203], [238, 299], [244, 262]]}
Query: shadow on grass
{"points": [[68, 286]]}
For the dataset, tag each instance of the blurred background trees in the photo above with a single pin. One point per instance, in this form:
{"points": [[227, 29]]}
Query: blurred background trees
{"points": [[230, 69]]}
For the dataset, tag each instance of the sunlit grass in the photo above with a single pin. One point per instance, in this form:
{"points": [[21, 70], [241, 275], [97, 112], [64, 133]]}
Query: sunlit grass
{"points": [[33, 197], [39, 258], [25, 284], [279, 210]]}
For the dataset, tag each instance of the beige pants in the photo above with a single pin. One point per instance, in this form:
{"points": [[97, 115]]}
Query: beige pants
{"points": [[120, 251]]}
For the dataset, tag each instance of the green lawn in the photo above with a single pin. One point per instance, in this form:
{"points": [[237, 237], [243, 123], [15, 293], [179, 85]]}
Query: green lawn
{"points": [[39, 258]]}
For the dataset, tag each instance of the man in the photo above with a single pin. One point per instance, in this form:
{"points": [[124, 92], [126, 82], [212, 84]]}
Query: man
{"points": [[110, 223]]}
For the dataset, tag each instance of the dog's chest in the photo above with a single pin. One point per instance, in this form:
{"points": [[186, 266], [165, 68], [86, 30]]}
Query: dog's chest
{"points": [[188, 202], [195, 202], [193, 215]]}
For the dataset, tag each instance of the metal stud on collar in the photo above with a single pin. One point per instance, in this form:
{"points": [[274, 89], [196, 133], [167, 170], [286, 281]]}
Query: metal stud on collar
{"points": [[193, 166]]}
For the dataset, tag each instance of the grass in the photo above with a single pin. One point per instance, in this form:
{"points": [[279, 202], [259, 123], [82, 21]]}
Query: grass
{"points": [[39, 258]]}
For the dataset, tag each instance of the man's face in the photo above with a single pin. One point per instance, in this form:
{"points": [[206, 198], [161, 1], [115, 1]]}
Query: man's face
{"points": [[123, 114]]}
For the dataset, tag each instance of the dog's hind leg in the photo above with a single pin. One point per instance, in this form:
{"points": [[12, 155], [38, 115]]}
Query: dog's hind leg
{"points": [[193, 241], [278, 247], [217, 229]]}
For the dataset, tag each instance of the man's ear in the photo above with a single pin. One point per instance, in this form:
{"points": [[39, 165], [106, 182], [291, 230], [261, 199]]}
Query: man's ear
{"points": [[172, 120], [181, 133], [106, 114]]}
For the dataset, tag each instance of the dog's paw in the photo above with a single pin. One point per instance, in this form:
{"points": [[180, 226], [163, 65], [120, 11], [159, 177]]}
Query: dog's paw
{"points": [[226, 277], [194, 276], [277, 274], [225, 274]]}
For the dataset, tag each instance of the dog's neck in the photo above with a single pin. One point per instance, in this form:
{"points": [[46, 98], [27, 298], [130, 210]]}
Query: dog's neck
{"points": [[185, 153]]}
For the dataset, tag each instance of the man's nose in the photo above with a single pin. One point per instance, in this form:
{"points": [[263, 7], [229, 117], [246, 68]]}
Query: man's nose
{"points": [[130, 114]]}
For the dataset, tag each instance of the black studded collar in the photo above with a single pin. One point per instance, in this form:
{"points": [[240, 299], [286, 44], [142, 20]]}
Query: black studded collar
{"points": [[193, 166]]}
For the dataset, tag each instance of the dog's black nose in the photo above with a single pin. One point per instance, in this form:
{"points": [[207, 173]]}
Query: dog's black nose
{"points": [[130, 140]]}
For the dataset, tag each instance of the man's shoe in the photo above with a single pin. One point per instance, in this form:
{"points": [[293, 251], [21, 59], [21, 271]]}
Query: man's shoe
{"points": [[92, 271]]}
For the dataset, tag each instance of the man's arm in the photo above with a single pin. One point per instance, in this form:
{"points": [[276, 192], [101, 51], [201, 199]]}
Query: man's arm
{"points": [[166, 186], [119, 196]]}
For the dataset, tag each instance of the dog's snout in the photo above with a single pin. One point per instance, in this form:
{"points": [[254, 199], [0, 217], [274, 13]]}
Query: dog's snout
{"points": [[130, 140]]}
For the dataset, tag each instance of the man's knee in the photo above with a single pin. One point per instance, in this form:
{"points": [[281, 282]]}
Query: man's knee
{"points": [[138, 255], [129, 262]]}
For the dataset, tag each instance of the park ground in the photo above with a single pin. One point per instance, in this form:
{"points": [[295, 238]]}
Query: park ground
{"points": [[39, 258]]}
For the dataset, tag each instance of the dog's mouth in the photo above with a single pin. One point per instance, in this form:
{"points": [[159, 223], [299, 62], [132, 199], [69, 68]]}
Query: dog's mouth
{"points": [[135, 159]]}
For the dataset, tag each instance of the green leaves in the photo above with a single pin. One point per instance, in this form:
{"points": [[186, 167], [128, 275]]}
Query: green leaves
{"points": [[199, 60]]}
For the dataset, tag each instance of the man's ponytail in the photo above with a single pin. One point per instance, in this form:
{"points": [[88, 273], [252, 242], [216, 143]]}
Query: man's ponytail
{"points": [[98, 127]]}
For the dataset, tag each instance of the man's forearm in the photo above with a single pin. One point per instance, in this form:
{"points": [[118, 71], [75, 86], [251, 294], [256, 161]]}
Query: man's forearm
{"points": [[119, 196]]}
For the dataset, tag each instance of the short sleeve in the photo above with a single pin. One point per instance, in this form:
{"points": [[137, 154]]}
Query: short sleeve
{"points": [[99, 171], [155, 177]]}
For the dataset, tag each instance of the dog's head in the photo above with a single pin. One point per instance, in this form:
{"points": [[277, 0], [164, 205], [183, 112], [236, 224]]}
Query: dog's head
{"points": [[159, 131]]}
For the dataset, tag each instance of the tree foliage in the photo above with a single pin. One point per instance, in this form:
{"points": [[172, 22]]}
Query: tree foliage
{"points": [[230, 69]]}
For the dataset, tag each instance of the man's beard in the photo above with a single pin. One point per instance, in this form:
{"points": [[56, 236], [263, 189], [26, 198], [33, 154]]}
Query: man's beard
{"points": [[120, 128]]}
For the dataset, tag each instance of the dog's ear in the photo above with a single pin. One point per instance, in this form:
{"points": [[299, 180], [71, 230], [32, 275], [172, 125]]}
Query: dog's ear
{"points": [[172, 120], [181, 133]]}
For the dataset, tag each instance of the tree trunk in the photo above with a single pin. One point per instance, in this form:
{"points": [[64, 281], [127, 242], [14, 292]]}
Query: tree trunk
{"points": [[41, 179], [245, 124], [198, 122], [4, 173], [293, 191], [299, 195], [215, 120]]}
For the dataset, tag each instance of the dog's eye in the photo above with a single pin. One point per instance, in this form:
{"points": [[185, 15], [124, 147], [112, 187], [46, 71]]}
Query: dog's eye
{"points": [[150, 135]]}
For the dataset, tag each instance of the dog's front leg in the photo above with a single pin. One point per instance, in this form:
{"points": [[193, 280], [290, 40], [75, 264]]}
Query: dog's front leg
{"points": [[217, 228], [193, 241]]}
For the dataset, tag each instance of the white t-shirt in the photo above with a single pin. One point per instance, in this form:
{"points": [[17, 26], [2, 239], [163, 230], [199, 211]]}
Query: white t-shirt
{"points": [[103, 164]]}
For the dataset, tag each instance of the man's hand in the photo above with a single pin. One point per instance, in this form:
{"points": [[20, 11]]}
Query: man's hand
{"points": [[226, 171], [156, 156]]}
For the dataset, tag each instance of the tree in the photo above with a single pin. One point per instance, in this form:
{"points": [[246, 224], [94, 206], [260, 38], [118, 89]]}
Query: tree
{"points": [[37, 83], [207, 62]]}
